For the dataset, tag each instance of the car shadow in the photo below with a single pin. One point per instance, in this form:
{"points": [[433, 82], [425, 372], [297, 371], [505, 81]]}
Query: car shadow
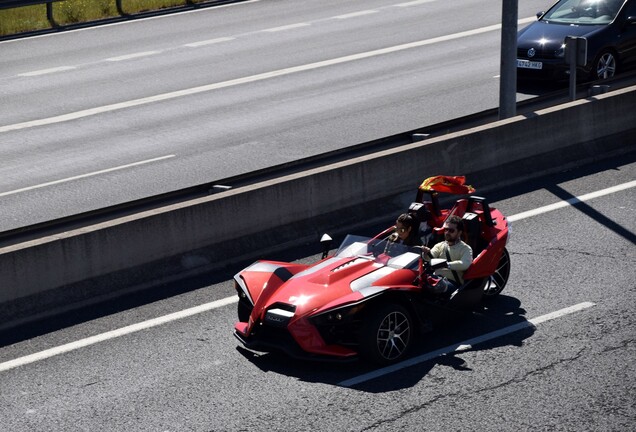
{"points": [[548, 181], [541, 88], [498, 313]]}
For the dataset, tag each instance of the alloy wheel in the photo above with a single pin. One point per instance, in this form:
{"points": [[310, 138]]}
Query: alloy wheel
{"points": [[394, 335], [606, 66]]}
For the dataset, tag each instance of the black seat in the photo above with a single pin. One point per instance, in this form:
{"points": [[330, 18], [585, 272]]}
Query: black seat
{"points": [[421, 214], [472, 232]]}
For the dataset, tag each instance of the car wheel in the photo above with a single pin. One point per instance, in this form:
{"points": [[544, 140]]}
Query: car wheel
{"points": [[388, 334], [243, 312], [497, 281], [604, 66]]}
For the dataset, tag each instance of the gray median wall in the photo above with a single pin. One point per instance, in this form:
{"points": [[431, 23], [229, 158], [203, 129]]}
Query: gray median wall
{"points": [[84, 266]]}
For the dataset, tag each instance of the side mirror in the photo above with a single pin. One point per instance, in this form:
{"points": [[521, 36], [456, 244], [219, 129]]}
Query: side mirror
{"points": [[325, 241]]}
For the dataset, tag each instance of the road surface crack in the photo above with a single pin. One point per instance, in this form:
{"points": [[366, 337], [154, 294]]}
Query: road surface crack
{"points": [[621, 346], [463, 395]]}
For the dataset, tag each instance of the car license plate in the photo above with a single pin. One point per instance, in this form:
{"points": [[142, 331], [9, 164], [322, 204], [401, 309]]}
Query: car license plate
{"points": [[527, 64]]}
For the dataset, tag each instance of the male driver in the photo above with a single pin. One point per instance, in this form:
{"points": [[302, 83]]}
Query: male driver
{"points": [[458, 254]]}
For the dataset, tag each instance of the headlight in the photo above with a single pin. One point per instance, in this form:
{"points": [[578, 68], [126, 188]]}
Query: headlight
{"points": [[338, 315], [560, 53]]}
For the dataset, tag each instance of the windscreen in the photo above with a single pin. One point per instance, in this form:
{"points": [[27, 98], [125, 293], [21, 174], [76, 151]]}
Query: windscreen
{"points": [[584, 12], [380, 251]]}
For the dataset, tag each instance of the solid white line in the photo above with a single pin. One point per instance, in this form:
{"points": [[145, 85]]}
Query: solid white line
{"points": [[462, 346], [250, 79], [189, 312], [72, 346], [571, 201], [286, 27], [356, 14], [209, 42], [47, 71], [132, 56], [85, 175]]}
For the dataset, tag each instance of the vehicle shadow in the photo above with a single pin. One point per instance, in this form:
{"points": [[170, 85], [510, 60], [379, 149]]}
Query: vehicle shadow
{"points": [[540, 88], [442, 347], [550, 180]]}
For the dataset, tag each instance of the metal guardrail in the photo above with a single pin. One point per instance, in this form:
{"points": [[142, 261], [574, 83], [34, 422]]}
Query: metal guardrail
{"points": [[10, 4], [67, 223], [188, 4]]}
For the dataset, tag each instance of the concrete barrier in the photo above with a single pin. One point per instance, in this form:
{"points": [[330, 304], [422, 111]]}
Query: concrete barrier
{"points": [[87, 265]]}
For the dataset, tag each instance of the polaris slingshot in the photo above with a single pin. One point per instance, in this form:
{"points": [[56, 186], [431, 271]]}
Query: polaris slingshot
{"points": [[369, 300]]}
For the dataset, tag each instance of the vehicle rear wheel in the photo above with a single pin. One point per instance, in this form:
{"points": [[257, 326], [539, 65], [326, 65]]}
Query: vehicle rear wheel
{"points": [[497, 281], [388, 334], [604, 66]]}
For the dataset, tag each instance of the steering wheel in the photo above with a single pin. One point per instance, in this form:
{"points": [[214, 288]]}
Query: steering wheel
{"points": [[588, 12]]}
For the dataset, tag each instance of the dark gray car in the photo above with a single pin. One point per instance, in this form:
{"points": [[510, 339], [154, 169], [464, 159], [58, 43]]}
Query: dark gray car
{"points": [[608, 25]]}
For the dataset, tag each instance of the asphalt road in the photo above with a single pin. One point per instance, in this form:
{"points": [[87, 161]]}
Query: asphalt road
{"points": [[109, 114], [573, 370]]}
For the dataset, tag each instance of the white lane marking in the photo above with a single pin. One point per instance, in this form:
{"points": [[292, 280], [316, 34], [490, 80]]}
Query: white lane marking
{"points": [[356, 14], [571, 201], [234, 82], [209, 42], [414, 3], [86, 175], [72, 346], [132, 56], [465, 345], [286, 27], [47, 71]]}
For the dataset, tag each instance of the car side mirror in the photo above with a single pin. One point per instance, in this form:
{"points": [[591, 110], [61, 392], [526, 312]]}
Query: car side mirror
{"points": [[325, 241]]}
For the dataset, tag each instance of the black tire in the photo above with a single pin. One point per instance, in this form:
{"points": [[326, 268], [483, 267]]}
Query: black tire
{"points": [[605, 65], [497, 281], [244, 311], [387, 335]]}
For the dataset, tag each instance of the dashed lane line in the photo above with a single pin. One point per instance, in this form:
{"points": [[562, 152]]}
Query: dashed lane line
{"points": [[133, 56], [72, 346], [572, 201], [465, 345], [91, 174]]}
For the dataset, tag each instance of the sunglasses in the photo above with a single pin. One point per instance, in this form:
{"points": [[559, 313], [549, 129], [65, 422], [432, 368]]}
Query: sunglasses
{"points": [[450, 230]]}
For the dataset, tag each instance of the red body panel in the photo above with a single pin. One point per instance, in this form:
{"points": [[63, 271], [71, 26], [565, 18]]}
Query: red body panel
{"points": [[486, 262]]}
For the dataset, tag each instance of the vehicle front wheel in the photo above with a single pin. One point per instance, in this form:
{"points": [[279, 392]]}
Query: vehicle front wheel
{"points": [[244, 311], [387, 335], [604, 66]]}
